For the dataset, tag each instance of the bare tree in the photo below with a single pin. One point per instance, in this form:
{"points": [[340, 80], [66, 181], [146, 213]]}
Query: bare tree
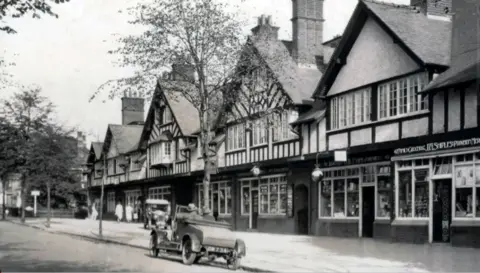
{"points": [[198, 33]]}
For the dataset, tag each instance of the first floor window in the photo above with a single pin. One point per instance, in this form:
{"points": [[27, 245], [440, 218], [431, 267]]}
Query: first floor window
{"points": [[236, 137], [111, 201], [167, 148], [401, 96], [281, 125], [350, 109], [339, 196], [220, 197], [160, 193], [259, 132], [413, 190]]}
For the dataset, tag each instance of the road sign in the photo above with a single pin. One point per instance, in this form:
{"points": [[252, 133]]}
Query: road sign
{"points": [[35, 193]]}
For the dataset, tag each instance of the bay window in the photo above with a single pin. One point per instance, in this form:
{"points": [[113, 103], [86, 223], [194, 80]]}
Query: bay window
{"points": [[350, 109], [467, 186], [400, 97], [259, 132], [220, 197], [339, 193], [413, 189], [236, 137]]}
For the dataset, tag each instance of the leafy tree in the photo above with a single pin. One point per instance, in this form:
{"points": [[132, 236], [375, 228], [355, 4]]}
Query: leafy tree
{"points": [[29, 112], [20, 8], [52, 160], [198, 33]]}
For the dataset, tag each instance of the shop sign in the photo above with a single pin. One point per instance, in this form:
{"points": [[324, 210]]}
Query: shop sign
{"points": [[356, 161], [438, 146]]}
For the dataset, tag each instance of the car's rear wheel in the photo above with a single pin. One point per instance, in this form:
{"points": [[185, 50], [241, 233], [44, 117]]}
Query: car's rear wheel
{"points": [[197, 259], [188, 256], [153, 246]]}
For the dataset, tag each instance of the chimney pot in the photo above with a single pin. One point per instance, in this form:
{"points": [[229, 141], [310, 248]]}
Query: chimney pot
{"points": [[269, 20]]}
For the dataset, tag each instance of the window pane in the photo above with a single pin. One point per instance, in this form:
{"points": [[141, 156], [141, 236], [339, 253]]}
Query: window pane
{"points": [[229, 199], [325, 199], [403, 96], [464, 176], [339, 198], [393, 99], [263, 198], [405, 193], [463, 202], [478, 203], [246, 200], [353, 197], [222, 201], [421, 193], [384, 188], [442, 165], [283, 198], [274, 199]]}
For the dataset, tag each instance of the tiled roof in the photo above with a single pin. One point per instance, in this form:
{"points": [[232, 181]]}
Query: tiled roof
{"points": [[428, 38], [316, 113], [297, 82], [184, 111], [125, 137], [464, 69]]}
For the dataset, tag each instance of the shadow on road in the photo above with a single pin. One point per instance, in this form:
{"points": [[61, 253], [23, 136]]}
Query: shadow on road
{"points": [[178, 259]]}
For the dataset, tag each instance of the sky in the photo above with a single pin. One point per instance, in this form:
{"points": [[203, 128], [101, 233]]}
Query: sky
{"points": [[67, 57]]}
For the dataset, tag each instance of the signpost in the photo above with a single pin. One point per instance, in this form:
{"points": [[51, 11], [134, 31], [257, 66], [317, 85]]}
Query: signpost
{"points": [[35, 194]]}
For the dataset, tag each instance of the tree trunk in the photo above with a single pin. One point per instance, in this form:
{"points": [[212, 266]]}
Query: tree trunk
{"points": [[4, 187], [23, 197], [48, 204], [206, 189]]}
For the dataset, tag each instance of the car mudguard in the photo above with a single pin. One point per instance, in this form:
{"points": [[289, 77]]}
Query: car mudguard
{"points": [[196, 245], [241, 248], [153, 232]]}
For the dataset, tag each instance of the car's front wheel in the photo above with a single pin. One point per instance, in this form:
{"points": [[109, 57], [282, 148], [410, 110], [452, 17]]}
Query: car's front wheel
{"points": [[188, 256], [234, 263]]}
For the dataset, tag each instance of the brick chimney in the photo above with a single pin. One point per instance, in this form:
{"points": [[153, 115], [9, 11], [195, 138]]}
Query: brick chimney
{"points": [[434, 9], [307, 32], [265, 28], [465, 28], [133, 105]]}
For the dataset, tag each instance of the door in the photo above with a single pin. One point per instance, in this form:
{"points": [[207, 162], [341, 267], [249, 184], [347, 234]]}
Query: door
{"points": [[254, 214], [442, 213], [368, 208], [301, 209]]}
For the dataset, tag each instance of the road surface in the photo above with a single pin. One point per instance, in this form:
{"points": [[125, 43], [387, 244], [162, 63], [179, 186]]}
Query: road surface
{"points": [[27, 249]]}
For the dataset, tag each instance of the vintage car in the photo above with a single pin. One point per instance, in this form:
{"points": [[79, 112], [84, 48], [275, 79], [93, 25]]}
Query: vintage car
{"points": [[194, 236], [155, 209]]}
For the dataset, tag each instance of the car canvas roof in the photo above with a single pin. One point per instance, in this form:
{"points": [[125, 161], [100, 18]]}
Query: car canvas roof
{"points": [[157, 202]]}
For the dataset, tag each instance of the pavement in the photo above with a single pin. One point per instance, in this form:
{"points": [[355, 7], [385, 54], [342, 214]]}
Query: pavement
{"points": [[24, 249], [292, 253]]}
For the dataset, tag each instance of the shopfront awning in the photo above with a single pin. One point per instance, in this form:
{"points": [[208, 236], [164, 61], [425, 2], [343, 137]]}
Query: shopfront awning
{"points": [[433, 154]]}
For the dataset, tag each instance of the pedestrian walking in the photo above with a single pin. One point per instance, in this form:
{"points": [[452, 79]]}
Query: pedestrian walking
{"points": [[94, 211], [128, 213], [119, 212]]}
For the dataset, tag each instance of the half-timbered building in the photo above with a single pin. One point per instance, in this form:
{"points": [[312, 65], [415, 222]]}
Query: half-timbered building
{"points": [[451, 149], [368, 104]]}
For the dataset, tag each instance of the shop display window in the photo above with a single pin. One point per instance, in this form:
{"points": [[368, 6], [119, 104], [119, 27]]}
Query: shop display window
{"points": [[384, 187], [325, 198], [339, 193], [220, 197]]}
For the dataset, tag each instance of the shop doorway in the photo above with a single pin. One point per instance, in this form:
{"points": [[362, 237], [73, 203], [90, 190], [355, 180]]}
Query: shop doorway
{"points": [[254, 209], [368, 211], [184, 192], [442, 210], [301, 209]]}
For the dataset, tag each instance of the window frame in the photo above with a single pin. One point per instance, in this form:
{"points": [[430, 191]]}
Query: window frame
{"points": [[259, 126], [344, 108], [281, 129], [236, 137], [160, 191], [221, 185], [415, 83], [474, 164]]}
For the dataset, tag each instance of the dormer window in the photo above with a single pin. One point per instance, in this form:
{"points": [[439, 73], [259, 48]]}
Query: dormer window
{"points": [[167, 148], [166, 115]]}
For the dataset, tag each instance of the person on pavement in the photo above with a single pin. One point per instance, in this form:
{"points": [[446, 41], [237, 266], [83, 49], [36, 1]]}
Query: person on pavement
{"points": [[128, 213], [119, 212], [94, 211]]}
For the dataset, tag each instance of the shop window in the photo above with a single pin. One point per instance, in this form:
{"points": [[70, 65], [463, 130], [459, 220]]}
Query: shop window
{"points": [[339, 196], [442, 166], [245, 198], [413, 190], [465, 189], [160, 193], [384, 188], [273, 195], [220, 197]]}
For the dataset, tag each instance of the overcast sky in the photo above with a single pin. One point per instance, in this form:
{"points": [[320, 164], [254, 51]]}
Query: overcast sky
{"points": [[67, 57]]}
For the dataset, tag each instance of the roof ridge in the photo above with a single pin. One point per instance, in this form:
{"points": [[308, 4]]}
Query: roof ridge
{"points": [[403, 6]]}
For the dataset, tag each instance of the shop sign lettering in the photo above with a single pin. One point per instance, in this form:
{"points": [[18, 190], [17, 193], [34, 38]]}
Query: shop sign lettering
{"points": [[356, 161], [436, 146]]}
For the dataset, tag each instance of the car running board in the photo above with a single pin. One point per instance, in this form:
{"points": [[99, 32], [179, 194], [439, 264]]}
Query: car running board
{"points": [[170, 246]]}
